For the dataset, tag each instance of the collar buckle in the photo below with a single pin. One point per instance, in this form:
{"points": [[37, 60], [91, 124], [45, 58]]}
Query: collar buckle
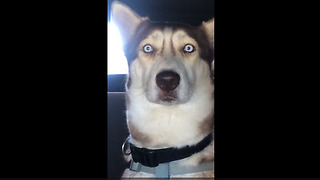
{"points": [[136, 167]]}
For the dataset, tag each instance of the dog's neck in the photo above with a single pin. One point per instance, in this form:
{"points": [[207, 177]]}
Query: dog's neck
{"points": [[167, 128]]}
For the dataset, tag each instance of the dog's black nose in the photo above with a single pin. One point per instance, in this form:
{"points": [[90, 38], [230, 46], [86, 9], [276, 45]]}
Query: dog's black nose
{"points": [[167, 80]]}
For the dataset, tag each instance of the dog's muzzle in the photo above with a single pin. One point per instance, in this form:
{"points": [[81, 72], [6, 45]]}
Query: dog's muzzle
{"points": [[167, 81]]}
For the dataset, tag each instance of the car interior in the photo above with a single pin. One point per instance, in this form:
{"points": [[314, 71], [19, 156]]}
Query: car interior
{"points": [[192, 12]]}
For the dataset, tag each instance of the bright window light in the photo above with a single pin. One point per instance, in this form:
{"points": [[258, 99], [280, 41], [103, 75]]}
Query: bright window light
{"points": [[117, 63]]}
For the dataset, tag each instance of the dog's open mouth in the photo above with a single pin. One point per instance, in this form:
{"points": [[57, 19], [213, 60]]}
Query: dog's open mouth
{"points": [[168, 98]]}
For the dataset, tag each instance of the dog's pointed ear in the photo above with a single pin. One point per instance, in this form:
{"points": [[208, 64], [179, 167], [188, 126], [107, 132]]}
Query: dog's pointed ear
{"points": [[125, 19], [209, 28]]}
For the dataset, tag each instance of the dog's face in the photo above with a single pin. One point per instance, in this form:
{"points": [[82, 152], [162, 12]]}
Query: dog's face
{"points": [[168, 63]]}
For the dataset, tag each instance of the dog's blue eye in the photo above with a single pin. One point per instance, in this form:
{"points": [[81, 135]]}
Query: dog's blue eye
{"points": [[188, 48], [147, 48]]}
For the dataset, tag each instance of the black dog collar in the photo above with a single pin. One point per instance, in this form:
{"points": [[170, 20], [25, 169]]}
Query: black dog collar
{"points": [[153, 158]]}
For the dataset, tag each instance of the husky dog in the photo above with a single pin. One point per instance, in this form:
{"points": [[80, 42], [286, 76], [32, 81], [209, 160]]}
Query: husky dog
{"points": [[169, 96]]}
